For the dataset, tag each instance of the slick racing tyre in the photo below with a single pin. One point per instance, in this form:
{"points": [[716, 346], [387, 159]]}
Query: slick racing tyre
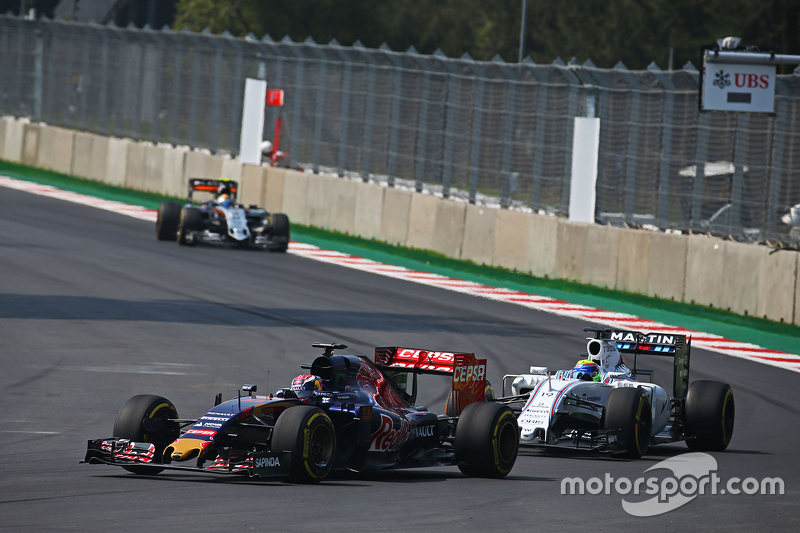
{"points": [[709, 414], [191, 220], [628, 409], [308, 434], [487, 440], [169, 218], [130, 425], [279, 233]]}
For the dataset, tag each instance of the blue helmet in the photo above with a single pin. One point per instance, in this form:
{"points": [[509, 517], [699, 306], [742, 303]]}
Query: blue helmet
{"points": [[586, 370]]}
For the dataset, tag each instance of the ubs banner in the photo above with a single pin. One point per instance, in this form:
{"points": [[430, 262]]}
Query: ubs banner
{"points": [[735, 87]]}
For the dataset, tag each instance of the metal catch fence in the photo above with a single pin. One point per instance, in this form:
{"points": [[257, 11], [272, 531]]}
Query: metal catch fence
{"points": [[484, 131]]}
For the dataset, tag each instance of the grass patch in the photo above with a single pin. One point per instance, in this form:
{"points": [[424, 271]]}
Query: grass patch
{"points": [[83, 186], [575, 292]]}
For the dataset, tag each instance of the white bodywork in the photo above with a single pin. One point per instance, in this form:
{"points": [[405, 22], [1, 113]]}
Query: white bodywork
{"points": [[557, 396], [236, 218]]}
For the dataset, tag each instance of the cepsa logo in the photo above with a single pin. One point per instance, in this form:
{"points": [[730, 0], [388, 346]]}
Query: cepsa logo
{"points": [[388, 439], [432, 360], [469, 373]]}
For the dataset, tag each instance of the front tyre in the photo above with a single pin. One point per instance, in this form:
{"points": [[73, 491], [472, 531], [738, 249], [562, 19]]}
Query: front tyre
{"points": [[307, 432], [169, 218], [278, 237], [628, 409], [130, 425], [486, 440], [709, 415], [191, 221]]}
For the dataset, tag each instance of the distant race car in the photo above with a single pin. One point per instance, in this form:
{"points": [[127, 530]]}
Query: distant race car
{"points": [[221, 220], [347, 413], [602, 405]]}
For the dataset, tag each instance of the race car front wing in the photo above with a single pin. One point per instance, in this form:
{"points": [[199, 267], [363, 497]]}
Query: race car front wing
{"points": [[125, 452]]}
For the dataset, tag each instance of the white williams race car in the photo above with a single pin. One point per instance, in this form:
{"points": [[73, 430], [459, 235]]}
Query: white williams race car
{"points": [[221, 220], [603, 404]]}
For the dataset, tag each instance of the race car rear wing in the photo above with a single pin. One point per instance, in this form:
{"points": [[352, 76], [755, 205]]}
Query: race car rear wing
{"points": [[678, 347], [469, 373], [215, 187], [415, 361]]}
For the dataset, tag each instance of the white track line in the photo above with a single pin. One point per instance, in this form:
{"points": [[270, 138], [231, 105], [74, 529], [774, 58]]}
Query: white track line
{"points": [[707, 341]]}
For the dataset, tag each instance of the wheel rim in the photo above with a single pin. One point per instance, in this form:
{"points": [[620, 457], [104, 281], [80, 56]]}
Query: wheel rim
{"points": [[728, 412], [321, 446], [506, 443]]}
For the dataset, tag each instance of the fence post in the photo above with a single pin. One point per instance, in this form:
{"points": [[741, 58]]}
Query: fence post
{"points": [[137, 96], [318, 115], [422, 128], [366, 164], [394, 120], [236, 102], [700, 171], [157, 67], [451, 105], [574, 84], [193, 103], [508, 131], [735, 220], [214, 135], [542, 90], [38, 74], [344, 117], [87, 82], [633, 142], [477, 128], [298, 87], [662, 214], [176, 90], [779, 141]]}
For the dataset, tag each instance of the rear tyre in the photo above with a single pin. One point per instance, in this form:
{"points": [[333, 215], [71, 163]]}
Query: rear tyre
{"points": [[129, 425], [191, 220], [487, 440], [308, 434], [279, 233], [169, 218], [628, 409], [709, 415]]}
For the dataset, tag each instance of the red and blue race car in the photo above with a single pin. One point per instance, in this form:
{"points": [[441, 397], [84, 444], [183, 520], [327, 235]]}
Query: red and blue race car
{"points": [[347, 412]]}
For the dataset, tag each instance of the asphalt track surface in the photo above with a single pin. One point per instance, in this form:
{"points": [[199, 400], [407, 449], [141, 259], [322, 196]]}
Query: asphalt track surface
{"points": [[94, 310]]}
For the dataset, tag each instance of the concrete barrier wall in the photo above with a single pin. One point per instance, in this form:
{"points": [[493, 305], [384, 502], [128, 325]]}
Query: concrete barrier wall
{"points": [[369, 210], [743, 278], [13, 140], [116, 161], [396, 215], [30, 145], [479, 228], [601, 256], [295, 196], [542, 245], [56, 147], [272, 198], [667, 266]]}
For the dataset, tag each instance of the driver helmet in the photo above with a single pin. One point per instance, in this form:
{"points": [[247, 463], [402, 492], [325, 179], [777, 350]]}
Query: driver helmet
{"points": [[586, 370], [224, 200], [304, 384]]}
